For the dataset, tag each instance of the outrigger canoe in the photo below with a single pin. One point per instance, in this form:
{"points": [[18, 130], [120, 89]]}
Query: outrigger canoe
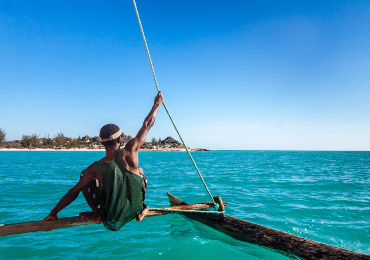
{"points": [[239, 229], [271, 238]]}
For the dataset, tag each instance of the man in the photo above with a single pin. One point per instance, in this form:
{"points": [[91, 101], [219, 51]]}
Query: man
{"points": [[114, 187]]}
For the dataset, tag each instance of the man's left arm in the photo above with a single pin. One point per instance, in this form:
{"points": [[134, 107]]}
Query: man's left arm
{"points": [[72, 194]]}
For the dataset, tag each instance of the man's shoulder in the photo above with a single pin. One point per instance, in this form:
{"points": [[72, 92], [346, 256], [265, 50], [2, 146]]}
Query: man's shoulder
{"points": [[130, 146], [91, 170]]}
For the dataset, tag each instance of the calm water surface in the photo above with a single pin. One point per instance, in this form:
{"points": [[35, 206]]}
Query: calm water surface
{"points": [[323, 196]]}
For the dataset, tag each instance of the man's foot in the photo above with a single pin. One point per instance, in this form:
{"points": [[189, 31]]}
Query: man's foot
{"points": [[142, 214], [90, 216]]}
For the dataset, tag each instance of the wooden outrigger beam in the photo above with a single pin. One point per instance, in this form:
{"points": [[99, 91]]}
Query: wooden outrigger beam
{"points": [[281, 241], [35, 226]]}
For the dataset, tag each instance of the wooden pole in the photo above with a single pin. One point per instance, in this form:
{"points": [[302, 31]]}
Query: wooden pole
{"points": [[218, 200], [198, 206], [271, 238], [34, 226]]}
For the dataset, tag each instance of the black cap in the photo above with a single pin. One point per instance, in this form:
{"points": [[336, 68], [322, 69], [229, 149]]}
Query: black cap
{"points": [[108, 130]]}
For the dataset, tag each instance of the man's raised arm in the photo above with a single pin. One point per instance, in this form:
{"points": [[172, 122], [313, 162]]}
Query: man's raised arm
{"points": [[135, 144]]}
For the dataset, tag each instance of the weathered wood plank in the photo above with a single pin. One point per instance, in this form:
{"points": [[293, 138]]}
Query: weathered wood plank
{"points": [[34, 226], [271, 238]]}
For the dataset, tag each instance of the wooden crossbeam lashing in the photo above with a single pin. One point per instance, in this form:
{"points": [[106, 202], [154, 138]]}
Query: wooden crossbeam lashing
{"points": [[34, 226]]}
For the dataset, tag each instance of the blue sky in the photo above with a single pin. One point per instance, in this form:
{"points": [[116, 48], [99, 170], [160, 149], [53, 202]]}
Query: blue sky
{"points": [[288, 75]]}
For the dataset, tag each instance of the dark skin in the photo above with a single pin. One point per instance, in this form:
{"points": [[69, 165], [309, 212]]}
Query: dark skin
{"points": [[129, 158]]}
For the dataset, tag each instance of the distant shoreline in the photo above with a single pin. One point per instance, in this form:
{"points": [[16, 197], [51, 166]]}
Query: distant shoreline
{"points": [[97, 150], [50, 150]]}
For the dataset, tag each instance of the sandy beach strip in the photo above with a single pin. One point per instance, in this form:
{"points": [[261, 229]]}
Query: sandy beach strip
{"points": [[93, 150], [50, 150]]}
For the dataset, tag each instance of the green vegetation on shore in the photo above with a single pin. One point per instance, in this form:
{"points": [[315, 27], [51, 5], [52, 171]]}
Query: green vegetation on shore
{"points": [[60, 141], [2, 136]]}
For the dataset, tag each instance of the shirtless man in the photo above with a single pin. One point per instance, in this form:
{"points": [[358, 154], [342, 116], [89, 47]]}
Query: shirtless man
{"points": [[114, 187]]}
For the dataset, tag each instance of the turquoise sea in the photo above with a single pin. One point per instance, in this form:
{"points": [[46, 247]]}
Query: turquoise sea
{"points": [[323, 196]]}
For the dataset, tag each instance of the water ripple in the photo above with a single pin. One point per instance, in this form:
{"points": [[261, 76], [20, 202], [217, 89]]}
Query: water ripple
{"points": [[323, 196]]}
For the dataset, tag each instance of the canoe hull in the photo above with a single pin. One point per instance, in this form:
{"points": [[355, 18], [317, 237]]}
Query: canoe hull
{"points": [[281, 241]]}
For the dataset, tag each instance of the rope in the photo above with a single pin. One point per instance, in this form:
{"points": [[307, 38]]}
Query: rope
{"points": [[216, 206], [188, 210]]}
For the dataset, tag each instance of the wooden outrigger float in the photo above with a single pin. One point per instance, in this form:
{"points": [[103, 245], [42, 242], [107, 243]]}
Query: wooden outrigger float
{"points": [[281, 241], [239, 229]]}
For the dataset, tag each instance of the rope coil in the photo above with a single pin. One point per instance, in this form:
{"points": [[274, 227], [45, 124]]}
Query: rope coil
{"points": [[216, 206]]}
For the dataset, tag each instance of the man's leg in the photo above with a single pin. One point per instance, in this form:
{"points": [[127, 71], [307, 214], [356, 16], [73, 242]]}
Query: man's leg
{"points": [[145, 208], [90, 192], [88, 215], [142, 213]]}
